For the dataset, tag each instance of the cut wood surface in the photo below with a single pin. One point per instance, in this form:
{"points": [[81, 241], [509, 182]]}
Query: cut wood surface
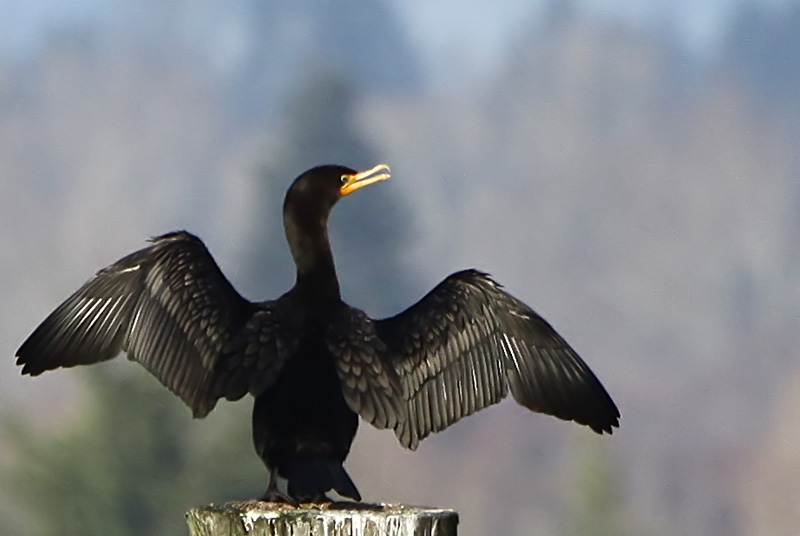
{"points": [[259, 518]]}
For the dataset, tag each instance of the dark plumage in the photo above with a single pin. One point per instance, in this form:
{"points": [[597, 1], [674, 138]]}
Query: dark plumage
{"points": [[313, 362]]}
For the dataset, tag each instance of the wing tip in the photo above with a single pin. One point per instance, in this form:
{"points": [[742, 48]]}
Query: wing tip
{"points": [[26, 358], [28, 369], [607, 423], [37, 368], [607, 428]]}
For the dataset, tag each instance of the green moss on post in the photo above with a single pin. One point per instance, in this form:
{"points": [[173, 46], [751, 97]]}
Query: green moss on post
{"points": [[257, 518]]}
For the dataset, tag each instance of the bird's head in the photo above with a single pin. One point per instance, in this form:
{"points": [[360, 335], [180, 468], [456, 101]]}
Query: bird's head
{"points": [[312, 195]]}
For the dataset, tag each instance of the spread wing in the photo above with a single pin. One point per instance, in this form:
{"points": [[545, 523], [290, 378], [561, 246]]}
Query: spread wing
{"points": [[460, 349], [171, 309]]}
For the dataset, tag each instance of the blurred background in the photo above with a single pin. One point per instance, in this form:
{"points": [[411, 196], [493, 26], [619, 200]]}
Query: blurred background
{"points": [[631, 170]]}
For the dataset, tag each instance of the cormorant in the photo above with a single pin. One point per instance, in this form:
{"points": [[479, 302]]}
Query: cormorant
{"points": [[312, 362]]}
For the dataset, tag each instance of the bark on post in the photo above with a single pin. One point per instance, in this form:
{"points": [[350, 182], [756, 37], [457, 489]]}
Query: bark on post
{"points": [[257, 518]]}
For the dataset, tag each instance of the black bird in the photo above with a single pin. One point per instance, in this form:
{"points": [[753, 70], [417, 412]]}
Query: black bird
{"points": [[312, 362]]}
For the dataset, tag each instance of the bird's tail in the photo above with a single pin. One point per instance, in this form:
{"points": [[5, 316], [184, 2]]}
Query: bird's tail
{"points": [[310, 479]]}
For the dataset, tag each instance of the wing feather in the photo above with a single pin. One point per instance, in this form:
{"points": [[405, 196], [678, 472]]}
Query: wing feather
{"points": [[370, 387], [171, 309], [465, 344]]}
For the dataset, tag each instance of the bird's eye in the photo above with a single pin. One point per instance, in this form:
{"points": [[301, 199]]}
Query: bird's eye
{"points": [[344, 179]]}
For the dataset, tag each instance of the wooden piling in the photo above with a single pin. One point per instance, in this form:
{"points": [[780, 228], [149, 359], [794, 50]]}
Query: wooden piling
{"points": [[258, 518]]}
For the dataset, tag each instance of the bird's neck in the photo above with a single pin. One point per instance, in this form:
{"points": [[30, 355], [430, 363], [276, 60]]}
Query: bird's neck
{"points": [[319, 281], [316, 272]]}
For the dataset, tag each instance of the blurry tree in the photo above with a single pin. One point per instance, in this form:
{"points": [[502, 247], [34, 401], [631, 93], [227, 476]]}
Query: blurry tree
{"points": [[361, 38], [595, 507], [130, 461]]}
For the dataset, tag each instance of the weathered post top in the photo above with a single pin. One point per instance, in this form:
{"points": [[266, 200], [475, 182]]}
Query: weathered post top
{"points": [[259, 518]]}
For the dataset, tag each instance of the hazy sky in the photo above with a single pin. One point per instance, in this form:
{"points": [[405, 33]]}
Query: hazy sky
{"points": [[446, 26]]}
